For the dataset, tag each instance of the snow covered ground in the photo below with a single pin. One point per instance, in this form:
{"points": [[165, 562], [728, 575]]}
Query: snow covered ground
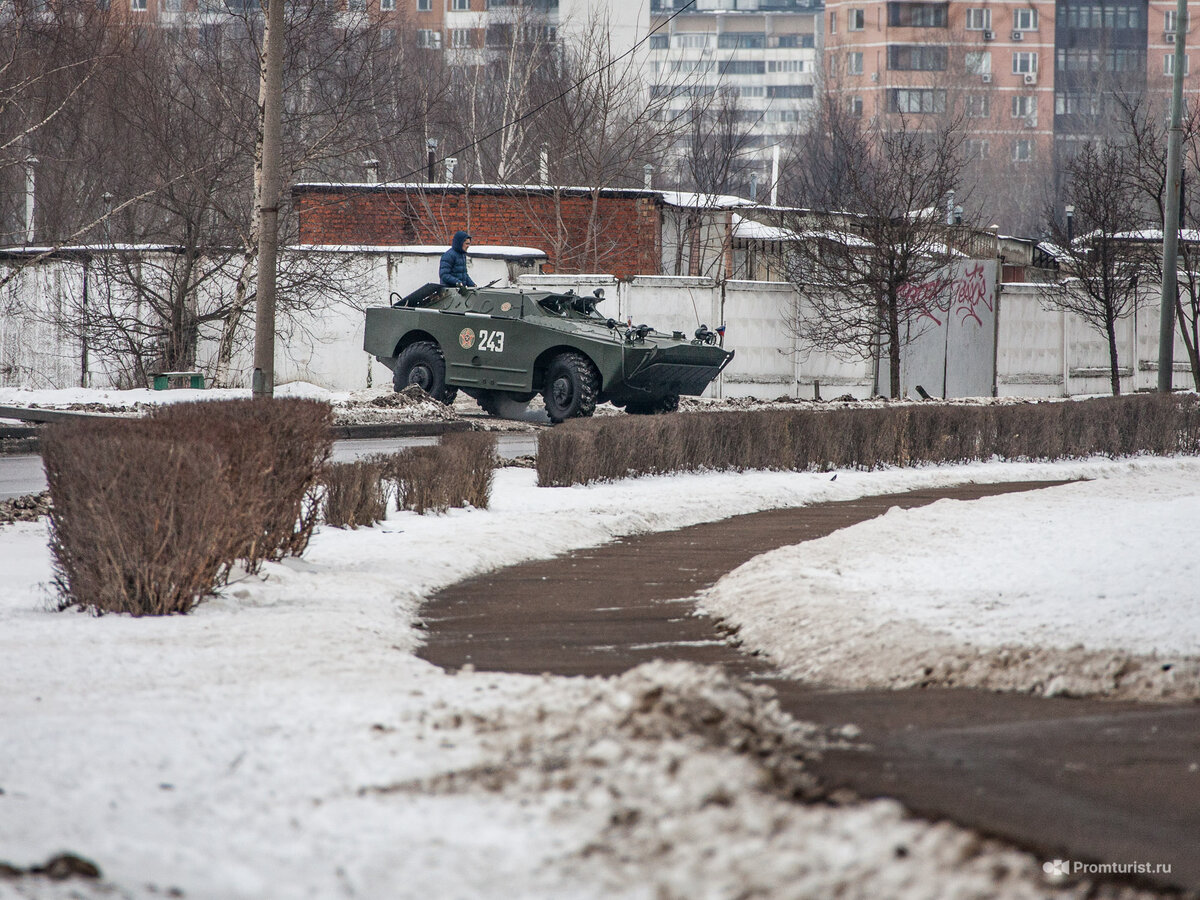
{"points": [[284, 741]]}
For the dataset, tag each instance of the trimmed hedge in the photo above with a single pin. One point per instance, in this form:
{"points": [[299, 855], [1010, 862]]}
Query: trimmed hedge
{"points": [[585, 450]]}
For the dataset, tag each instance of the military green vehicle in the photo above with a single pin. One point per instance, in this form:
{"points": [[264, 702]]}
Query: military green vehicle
{"points": [[506, 345]]}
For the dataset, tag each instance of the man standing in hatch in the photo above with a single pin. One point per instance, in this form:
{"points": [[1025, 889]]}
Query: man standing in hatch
{"points": [[453, 270]]}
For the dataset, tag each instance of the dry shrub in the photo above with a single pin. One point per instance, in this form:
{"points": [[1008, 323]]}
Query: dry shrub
{"points": [[140, 521], [272, 452], [353, 494], [471, 457], [586, 450], [456, 473], [567, 454]]}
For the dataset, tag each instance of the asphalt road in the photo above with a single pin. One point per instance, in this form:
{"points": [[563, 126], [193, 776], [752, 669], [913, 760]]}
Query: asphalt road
{"points": [[22, 474]]}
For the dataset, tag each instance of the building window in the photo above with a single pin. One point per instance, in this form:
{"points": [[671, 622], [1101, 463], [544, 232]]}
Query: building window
{"points": [[692, 65], [786, 65], [1025, 19], [460, 4], [918, 15], [790, 91], [1023, 106], [856, 20], [979, 20], [137, 5], [429, 39], [460, 38], [742, 67], [700, 41], [854, 63], [172, 5], [660, 41], [916, 58], [977, 149], [788, 41], [1169, 64], [1024, 63], [916, 100], [977, 106], [1022, 150], [978, 62], [856, 106], [356, 5], [1078, 60], [1169, 19], [833, 22], [1125, 59], [1075, 103], [424, 5], [742, 40], [1098, 16]]}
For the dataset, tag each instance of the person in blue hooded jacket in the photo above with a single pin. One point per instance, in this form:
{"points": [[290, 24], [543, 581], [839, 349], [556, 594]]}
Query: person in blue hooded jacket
{"points": [[453, 270]]}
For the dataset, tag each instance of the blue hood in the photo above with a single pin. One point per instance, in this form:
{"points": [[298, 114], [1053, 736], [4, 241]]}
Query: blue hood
{"points": [[459, 237]]}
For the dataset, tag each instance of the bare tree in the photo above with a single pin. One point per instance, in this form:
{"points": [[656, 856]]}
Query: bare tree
{"points": [[1143, 123], [50, 57], [862, 271], [1110, 256], [159, 149]]}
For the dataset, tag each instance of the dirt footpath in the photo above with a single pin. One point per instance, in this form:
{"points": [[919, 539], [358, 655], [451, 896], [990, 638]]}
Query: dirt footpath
{"points": [[1094, 781]]}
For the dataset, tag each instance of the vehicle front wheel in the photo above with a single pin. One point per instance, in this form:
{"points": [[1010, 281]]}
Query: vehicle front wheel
{"points": [[424, 365], [572, 384]]}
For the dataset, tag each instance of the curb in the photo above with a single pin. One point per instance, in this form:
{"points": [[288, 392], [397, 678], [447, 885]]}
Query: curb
{"points": [[398, 429], [28, 434]]}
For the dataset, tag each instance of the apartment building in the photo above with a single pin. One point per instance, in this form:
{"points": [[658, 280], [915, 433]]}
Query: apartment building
{"points": [[1031, 77], [761, 53]]}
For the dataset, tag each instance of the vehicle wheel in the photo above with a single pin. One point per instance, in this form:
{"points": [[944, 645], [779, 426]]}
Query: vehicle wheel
{"points": [[572, 384], [501, 404], [489, 402], [667, 404], [422, 364]]}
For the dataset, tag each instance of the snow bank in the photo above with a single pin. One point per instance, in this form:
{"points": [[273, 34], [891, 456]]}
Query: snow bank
{"points": [[1087, 588]]}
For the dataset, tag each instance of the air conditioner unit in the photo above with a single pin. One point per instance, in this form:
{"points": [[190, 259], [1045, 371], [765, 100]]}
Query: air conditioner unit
{"points": [[1017, 36], [1031, 78], [1031, 121], [874, 76], [1169, 37], [987, 77], [989, 35]]}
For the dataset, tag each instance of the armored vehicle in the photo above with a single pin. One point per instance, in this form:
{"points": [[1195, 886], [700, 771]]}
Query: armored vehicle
{"points": [[506, 344]]}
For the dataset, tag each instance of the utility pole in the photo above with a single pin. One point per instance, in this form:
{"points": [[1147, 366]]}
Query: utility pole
{"points": [[270, 111], [1170, 286]]}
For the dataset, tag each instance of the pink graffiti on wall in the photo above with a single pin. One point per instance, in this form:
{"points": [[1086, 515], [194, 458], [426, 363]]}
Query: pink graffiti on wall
{"points": [[941, 297]]}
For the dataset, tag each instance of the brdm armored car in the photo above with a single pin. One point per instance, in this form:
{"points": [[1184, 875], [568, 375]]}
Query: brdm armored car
{"points": [[501, 345]]}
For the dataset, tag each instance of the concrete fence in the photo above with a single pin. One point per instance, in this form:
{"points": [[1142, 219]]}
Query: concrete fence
{"points": [[976, 338]]}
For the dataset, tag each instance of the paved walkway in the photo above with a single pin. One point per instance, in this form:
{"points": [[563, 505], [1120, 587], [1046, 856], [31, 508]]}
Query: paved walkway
{"points": [[1083, 780]]}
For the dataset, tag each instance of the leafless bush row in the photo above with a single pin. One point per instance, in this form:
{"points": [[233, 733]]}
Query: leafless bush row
{"points": [[586, 450], [148, 517], [458, 472]]}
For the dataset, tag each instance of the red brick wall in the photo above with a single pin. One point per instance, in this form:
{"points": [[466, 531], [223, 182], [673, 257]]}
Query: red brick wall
{"points": [[625, 241]]}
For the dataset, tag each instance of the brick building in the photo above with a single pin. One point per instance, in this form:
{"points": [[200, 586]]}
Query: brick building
{"points": [[616, 231]]}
